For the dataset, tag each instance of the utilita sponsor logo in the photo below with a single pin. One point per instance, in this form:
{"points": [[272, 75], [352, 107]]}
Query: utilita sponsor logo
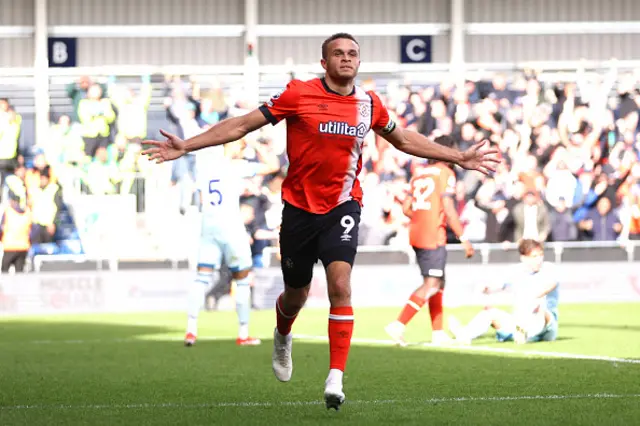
{"points": [[342, 128]]}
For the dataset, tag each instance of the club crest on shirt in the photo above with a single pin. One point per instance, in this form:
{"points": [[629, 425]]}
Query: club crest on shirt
{"points": [[365, 109]]}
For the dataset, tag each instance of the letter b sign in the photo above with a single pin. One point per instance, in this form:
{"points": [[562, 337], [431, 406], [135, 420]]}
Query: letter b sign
{"points": [[62, 52]]}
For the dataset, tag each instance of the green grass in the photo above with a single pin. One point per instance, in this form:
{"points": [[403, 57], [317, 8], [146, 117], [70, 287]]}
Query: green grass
{"points": [[132, 369]]}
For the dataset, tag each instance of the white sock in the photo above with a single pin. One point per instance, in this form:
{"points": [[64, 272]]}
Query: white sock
{"points": [[243, 331], [195, 300], [192, 326], [478, 325], [335, 376], [397, 325]]}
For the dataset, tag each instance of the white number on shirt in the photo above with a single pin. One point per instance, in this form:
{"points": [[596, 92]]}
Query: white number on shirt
{"points": [[422, 190]]}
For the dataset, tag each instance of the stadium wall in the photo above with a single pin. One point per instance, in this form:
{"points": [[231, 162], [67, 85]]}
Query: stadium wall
{"points": [[306, 50], [373, 286], [98, 51], [145, 12], [272, 12], [523, 11], [496, 30], [552, 47]]}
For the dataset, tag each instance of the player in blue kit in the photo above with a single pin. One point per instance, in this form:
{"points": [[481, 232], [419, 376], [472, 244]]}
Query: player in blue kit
{"points": [[223, 235], [535, 309]]}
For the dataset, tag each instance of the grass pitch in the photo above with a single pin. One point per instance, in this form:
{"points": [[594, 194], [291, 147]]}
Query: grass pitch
{"points": [[133, 369]]}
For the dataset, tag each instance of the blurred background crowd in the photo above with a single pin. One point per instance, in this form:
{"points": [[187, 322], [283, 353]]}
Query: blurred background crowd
{"points": [[570, 151]]}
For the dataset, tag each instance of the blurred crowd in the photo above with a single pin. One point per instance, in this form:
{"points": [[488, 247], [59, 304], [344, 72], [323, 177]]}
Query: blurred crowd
{"points": [[570, 169], [570, 151]]}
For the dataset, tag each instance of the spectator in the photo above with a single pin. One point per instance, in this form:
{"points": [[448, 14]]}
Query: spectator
{"points": [[65, 145], [15, 228], [494, 205], [563, 228], [602, 223], [77, 91], [32, 178], [96, 115], [531, 218], [634, 228], [122, 157], [10, 127], [14, 186], [101, 174], [260, 235], [132, 108], [46, 205]]}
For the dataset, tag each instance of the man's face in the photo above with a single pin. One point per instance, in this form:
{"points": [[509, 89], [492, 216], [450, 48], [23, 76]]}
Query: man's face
{"points": [[64, 121], [21, 172], [533, 261], [530, 199], [603, 206], [343, 59], [94, 92], [468, 131], [4, 105], [85, 82], [101, 155]]}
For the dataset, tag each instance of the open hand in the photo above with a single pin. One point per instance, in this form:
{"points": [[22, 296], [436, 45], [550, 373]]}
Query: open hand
{"points": [[480, 158], [171, 149]]}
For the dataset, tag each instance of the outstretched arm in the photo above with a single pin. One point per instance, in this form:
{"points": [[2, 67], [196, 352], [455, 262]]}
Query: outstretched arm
{"points": [[477, 158], [225, 131]]}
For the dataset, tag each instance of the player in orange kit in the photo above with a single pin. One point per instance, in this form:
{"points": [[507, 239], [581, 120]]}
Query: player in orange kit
{"points": [[430, 207], [327, 120]]}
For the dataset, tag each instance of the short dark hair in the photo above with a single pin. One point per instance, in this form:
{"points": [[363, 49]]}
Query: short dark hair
{"points": [[527, 246], [336, 36]]}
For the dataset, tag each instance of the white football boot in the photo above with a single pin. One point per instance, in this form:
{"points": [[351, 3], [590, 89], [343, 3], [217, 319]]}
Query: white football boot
{"points": [[281, 358]]}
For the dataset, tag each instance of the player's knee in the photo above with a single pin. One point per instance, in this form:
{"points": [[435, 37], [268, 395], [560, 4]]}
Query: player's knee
{"points": [[339, 290], [295, 298]]}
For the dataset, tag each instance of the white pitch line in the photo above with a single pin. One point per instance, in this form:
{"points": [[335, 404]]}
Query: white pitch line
{"points": [[248, 404], [484, 349], [365, 341]]}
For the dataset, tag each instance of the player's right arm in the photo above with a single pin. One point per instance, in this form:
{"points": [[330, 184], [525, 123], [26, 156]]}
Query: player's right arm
{"points": [[280, 106], [225, 131]]}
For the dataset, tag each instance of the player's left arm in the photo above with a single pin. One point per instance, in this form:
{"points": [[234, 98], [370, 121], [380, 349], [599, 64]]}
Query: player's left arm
{"points": [[453, 220], [478, 157]]}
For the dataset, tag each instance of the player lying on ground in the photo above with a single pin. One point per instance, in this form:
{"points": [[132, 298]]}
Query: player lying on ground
{"points": [[430, 207], [535, 309], [327, 121], [222, 234]]}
